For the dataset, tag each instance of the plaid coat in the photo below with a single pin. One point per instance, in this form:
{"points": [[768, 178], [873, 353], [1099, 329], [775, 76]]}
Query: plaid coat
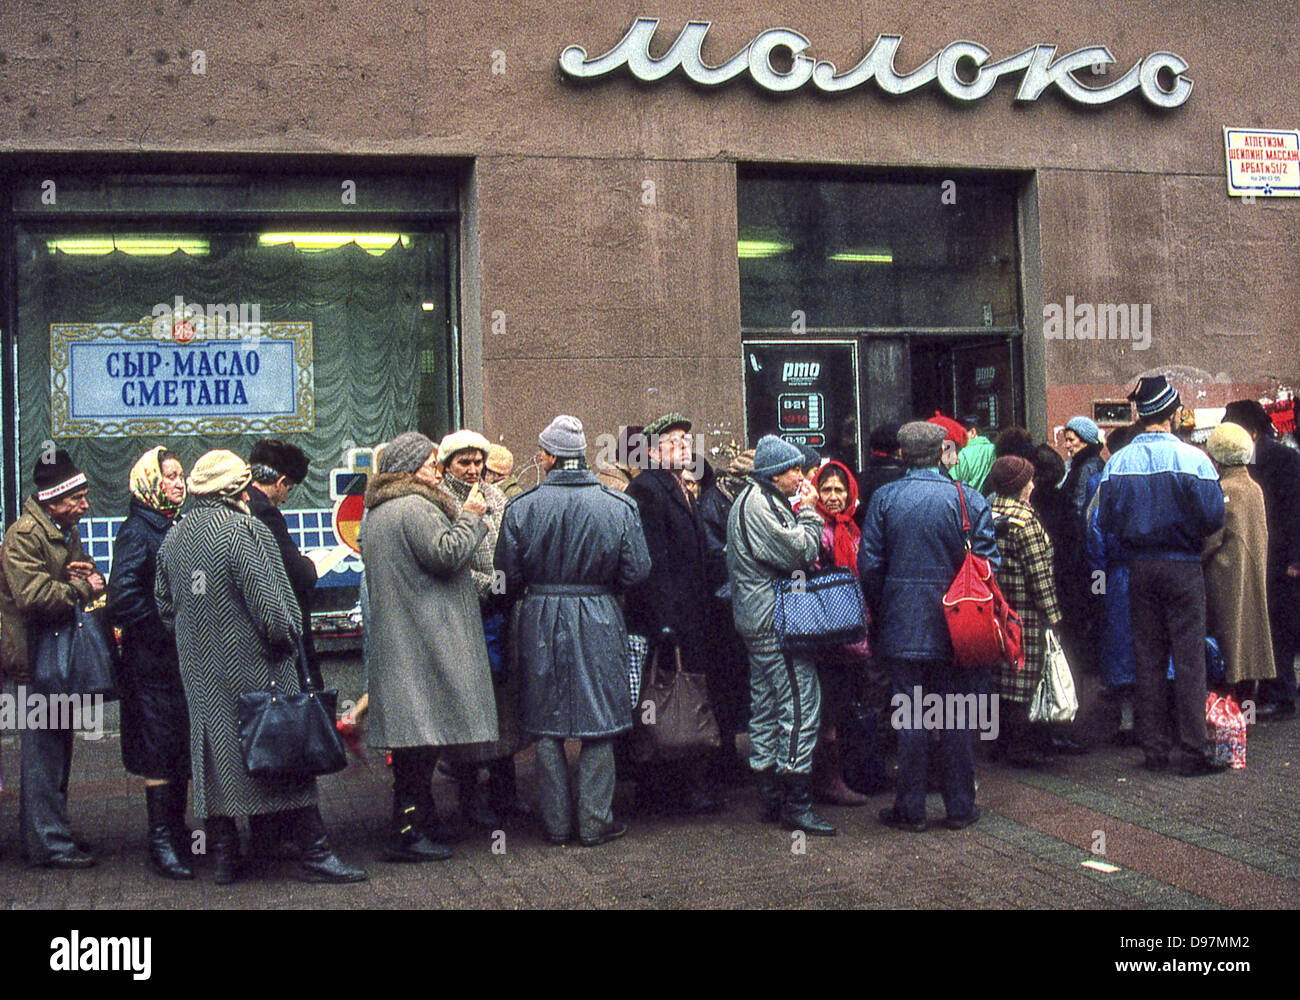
{"points": [[1028, 584]]}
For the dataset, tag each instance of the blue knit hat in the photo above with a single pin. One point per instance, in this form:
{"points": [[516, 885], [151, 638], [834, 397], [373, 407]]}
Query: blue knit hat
{"points": [[1085, 429], [774, 456]]}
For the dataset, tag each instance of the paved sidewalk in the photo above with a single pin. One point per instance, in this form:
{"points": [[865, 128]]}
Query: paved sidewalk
{"points": [[1228, 840]]}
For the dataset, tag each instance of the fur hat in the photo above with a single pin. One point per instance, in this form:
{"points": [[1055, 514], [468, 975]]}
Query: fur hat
{"points": [[219, 473], [1250, 414], [1230, 444], [406, 453], [774, 456], [272, 458], [564, 438], [462, 440], [53, 479]]}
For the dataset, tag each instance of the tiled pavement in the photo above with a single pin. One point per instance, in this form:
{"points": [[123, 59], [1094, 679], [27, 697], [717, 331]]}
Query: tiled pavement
{"points": [[1228, 840]]}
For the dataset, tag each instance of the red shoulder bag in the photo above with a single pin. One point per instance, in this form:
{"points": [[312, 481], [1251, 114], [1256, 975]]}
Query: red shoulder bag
{"points": [[985, 630]]}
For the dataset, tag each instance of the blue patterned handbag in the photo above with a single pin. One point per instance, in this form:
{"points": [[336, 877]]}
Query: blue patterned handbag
{"points": [[819, 609]]}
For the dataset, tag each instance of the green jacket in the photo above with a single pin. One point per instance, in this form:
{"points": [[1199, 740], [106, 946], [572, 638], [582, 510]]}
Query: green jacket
{"points": [[34, 589], [974, 462]]}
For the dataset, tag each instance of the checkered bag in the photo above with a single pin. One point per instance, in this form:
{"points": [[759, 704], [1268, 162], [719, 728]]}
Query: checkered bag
{"points": [[637, 649], [820, 609]]}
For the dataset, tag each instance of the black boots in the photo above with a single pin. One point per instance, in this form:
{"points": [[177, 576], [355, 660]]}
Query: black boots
{"points": [[769, 796], [414, 814], [319, 862], [408, 842], [163, 832], [796, 811], [223, 845]]}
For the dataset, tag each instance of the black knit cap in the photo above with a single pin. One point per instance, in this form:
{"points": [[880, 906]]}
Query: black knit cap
{"points": [[283, 457], [54, 479]]}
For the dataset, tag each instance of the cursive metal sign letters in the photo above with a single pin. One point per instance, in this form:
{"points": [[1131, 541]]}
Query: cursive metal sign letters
{"points": [[1039, 65]]}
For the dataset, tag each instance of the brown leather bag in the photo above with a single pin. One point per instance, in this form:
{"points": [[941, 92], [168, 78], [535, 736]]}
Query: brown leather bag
{"points": [[673, 719]]}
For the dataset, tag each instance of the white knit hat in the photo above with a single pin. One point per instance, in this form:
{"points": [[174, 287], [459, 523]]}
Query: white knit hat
{"points": [[462, 440]]}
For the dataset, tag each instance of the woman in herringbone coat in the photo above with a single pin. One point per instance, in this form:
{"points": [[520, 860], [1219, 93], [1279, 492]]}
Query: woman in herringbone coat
{"points": [[1027, 582], [221, 586]]}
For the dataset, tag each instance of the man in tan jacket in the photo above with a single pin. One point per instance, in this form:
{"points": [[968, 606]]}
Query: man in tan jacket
{"points": [[44, 578]]}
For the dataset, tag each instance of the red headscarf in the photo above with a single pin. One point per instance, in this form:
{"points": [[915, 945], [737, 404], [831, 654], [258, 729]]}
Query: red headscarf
{"points": [[847, 533]]}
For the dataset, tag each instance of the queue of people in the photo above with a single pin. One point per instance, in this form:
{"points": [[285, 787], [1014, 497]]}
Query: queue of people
{"points": [[498, 618]]}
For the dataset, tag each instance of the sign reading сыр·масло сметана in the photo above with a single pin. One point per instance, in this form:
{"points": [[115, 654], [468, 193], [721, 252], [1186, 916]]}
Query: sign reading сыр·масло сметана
{"points": [[121, 379]]}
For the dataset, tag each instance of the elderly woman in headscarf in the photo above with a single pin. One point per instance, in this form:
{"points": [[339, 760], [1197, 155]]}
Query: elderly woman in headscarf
{"points": [[1235, 559], [1027, 582], [430, 678], [155, 720]]}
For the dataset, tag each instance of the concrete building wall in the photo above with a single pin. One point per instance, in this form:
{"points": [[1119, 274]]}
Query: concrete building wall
{"points": [[618, 309]]}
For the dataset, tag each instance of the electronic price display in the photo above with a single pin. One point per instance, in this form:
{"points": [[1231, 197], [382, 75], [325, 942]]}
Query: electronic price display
{"points": [[801, 390]]}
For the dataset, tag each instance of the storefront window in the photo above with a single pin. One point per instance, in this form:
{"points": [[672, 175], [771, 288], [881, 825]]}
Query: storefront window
{"points": [[212, 331], [919, 275], [872, 254]]}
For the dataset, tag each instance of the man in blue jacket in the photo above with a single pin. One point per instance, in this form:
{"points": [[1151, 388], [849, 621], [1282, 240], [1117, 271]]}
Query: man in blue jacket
{"points": [[1160, 499], [912, 547]]}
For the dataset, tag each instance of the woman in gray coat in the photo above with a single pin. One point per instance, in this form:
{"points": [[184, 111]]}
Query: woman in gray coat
{"points": [[430, 680], [221, 586]]}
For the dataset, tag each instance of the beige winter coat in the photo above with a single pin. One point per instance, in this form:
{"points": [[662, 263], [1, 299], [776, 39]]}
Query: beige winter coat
{"points": [[1236, 599]]}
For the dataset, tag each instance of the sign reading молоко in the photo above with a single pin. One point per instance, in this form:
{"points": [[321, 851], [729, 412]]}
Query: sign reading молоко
{"points": [[116, 380], [1039, 65]]}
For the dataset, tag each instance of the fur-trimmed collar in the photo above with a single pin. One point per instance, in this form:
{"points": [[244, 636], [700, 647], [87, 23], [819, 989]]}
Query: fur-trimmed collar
{"points": [[386, 486]]}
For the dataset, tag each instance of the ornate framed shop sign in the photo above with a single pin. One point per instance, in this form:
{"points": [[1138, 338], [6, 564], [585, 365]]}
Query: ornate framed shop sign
{"points": [[125, 380]]}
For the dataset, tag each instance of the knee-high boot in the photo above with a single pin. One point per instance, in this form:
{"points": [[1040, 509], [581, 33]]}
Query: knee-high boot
{"points": [[162, 847]]}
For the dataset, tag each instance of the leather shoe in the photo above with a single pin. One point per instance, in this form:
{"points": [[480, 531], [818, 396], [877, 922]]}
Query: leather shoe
{"points": [[558, 839], [1065, 745], [892, 819], [613, 832], [1272, 711], [73, 860], [1198, 766], [961, 822], [1154, 763]]}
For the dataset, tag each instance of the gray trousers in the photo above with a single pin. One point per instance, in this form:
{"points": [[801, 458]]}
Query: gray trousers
{"points": [[785, 708], [43, 796], [595, 787]]}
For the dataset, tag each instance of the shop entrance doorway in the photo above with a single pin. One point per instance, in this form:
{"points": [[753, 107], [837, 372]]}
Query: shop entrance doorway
{"points": [[963, 376]]}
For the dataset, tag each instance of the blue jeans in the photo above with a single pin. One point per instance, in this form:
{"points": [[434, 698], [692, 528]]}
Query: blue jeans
{"points": [[956, 746]]}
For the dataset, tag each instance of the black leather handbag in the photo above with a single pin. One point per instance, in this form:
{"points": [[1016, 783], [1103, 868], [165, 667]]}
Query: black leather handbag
{"points": [[290, 736], [74, 658]]}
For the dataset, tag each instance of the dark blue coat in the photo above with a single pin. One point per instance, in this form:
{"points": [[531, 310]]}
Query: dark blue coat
{"points": [[155, 720], [912, 547], [566, 548]]}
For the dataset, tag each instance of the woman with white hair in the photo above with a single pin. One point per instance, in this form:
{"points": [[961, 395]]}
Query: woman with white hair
{"points": [[1235, 559]]}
